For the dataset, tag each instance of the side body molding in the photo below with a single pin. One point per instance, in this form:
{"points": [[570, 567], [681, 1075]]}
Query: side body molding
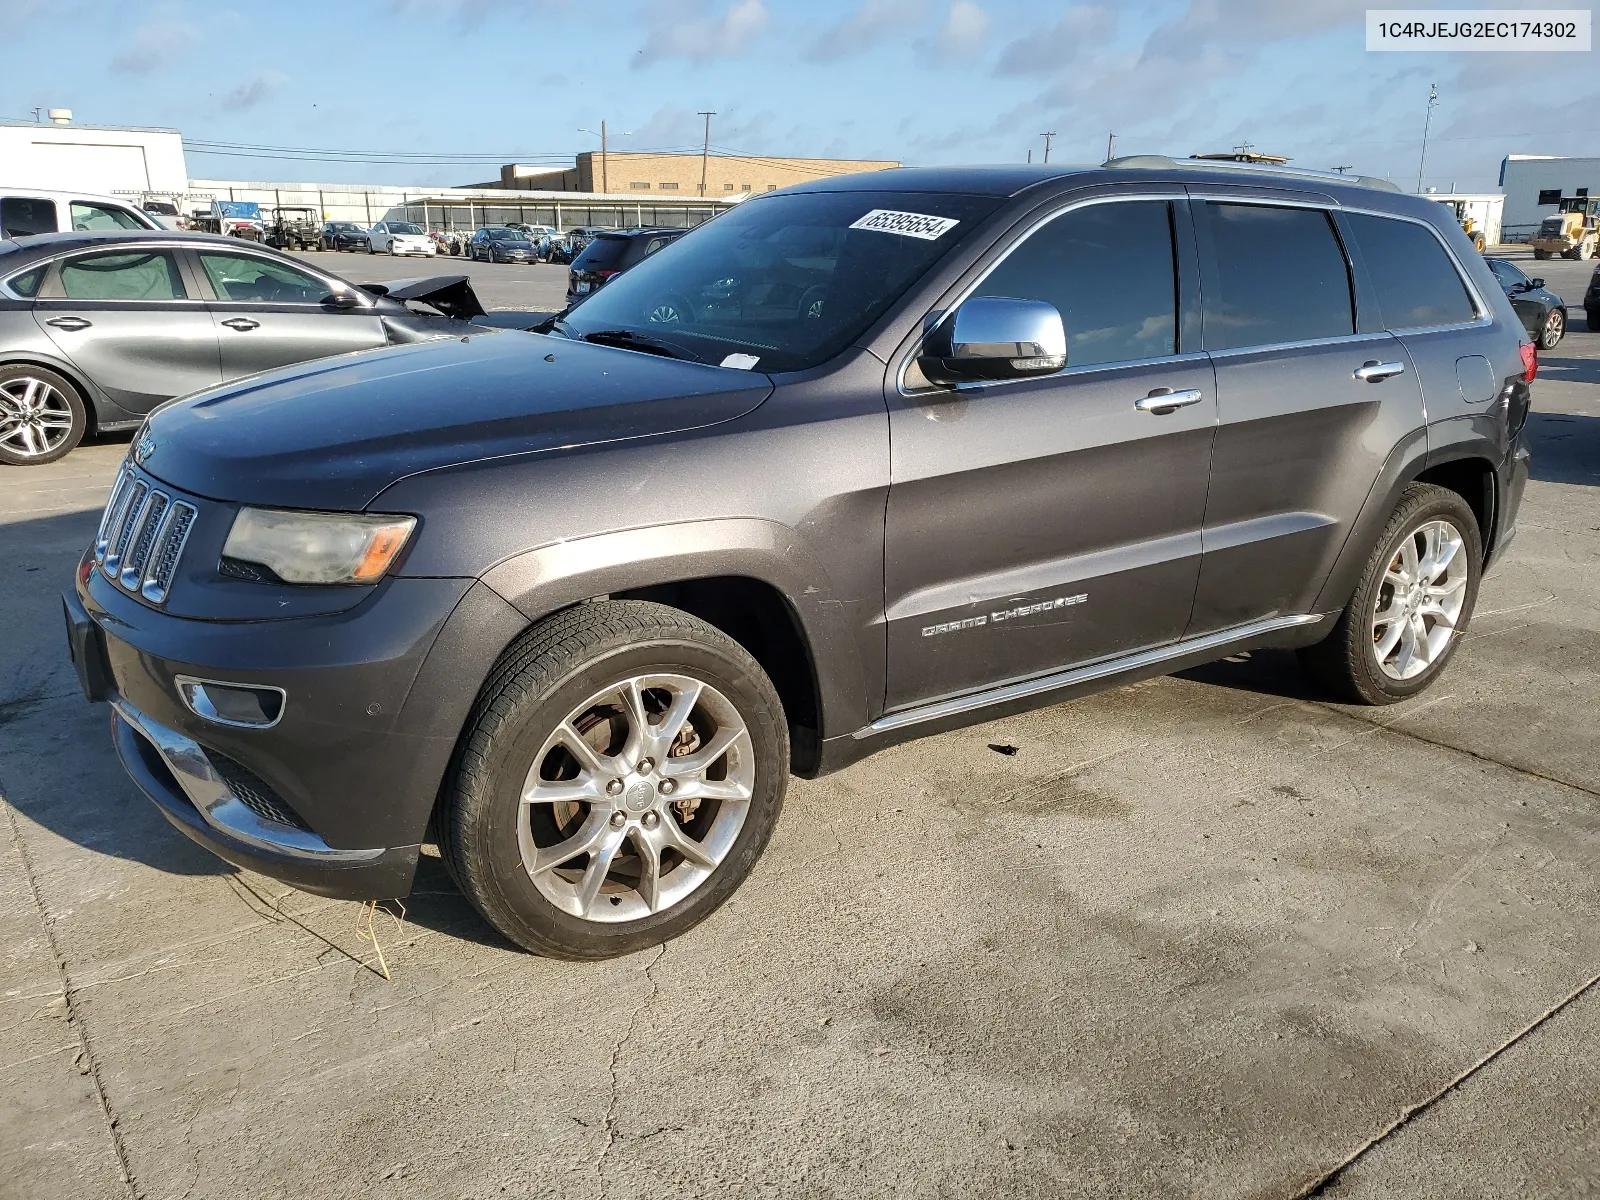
{"points": [[559, 574]]}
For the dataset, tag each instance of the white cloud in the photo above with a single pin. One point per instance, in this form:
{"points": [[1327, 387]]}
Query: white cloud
{"points": [[154, 46], [254, 91], [1083, 28], [689, 31], [963, 36], [873, 22]]}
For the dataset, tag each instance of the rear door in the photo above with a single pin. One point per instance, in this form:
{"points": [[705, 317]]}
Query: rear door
{"points": [[1310, 404], [269, 313], [128, 320], [1037, 524]]}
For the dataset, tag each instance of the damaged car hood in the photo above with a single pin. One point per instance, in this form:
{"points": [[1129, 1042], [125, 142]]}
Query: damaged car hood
{"points": [[450, 294], [333, 434]]}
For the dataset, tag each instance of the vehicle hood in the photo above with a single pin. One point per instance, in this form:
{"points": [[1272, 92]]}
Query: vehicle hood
{"points": [[333, 434]]}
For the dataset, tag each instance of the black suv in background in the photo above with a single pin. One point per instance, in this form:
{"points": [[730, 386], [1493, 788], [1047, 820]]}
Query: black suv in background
{"points": [[609, 254], [857, 461]]}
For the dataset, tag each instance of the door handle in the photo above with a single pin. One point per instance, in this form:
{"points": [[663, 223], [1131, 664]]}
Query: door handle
{"points": [[1164, 400], [1377, 372], [72, 323], [242, 324]]}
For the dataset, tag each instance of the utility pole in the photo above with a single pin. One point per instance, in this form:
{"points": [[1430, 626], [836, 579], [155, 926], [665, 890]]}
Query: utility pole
{"points": [[1111, 143], [1433, 99], [705, 151], [605, 182], [1047, 137]]}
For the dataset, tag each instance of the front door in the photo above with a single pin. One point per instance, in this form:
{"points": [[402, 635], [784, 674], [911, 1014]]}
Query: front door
{"points": [[1041, 523], [269, 314], [126, 319], [1310, 405]]}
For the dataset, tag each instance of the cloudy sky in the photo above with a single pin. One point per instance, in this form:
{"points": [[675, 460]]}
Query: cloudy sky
{"points": [[442, 91]]}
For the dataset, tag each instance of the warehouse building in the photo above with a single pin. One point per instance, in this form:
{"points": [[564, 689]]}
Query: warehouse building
{"points": [[726, 175], [1535, 183], [56, 155]]}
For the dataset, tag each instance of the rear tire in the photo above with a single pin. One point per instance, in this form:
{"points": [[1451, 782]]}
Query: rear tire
{"points": [[42, 416], [1553, 329], [1541, 255], [1365, 659], [1592, 317], [623, 882]]}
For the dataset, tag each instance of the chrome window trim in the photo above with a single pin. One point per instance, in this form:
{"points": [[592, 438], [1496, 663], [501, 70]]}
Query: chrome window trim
{"points": [[1484, 318]]}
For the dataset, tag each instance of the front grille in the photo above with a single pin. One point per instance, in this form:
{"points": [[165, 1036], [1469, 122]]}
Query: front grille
{"points": [[254, 792], [141, 536]]}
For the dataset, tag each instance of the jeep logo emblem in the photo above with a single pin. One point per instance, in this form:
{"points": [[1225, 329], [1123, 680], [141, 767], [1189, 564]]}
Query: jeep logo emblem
{"points": [[145, 447]]}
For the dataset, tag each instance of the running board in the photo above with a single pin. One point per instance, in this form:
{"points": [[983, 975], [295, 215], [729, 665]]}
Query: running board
{"points": [[1063, 679]]}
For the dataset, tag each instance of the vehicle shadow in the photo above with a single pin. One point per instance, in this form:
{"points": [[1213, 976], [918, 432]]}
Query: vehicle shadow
{"points": [[1566, 446], [58, 768], [1267, 672]]}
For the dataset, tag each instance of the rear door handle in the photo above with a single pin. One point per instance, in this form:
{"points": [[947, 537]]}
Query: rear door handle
{"points": [[72, 323], [242, 324], [1163, 401], [1377, 372]]}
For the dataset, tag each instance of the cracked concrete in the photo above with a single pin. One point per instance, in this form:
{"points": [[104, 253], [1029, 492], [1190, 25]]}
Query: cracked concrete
{"points": [[1205, 936]]}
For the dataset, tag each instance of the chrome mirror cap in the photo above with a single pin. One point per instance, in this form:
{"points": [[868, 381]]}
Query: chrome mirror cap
{"points": [[995, 337]]}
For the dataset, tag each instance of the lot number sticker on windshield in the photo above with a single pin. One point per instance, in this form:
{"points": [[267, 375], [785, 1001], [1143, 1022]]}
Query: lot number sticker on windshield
{"points": [[907, 224]]}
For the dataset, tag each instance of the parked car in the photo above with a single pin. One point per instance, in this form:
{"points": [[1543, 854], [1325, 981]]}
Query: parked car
{"points": [[609, 254], [854, 462], [1541, 311], [497, 243], [343, 235], [399, 237], [97, 329], [1591, 300], [29, 212]]}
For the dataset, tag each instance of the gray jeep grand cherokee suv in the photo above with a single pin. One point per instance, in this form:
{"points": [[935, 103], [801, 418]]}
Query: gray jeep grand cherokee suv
{"points": [[855, 462]]}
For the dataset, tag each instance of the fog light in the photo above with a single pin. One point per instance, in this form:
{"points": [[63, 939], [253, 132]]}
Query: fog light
{"points": [[246, 705]]}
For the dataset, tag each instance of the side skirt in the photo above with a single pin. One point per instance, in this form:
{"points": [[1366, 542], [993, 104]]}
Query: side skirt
{"points": [[958, 711]]}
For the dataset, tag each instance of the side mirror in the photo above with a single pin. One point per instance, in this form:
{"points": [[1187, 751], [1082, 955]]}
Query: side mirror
{"points": [[341, 300], [992, 338], [1535, 283]]}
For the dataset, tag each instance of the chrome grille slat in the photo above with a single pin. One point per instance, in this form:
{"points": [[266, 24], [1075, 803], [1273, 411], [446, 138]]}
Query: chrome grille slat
{"points": [[142, 535], [169, 547], [126, 522]]}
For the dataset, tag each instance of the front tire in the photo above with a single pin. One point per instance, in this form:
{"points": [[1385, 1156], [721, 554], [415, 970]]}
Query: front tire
{"points": [[621, 773], [1412, 605], [1541, 255]]}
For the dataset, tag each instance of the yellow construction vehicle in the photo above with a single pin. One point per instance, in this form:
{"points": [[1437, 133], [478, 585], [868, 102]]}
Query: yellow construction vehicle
{"points": [[1573, 231], [1468, 223]]}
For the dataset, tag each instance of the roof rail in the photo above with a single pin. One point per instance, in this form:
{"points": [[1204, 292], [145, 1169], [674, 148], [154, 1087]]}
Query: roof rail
{"points": [[1165, 162]]}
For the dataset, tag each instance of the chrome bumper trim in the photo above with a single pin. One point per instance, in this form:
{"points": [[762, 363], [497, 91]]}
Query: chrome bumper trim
{"points": [[220, 808], [1062, 679]]}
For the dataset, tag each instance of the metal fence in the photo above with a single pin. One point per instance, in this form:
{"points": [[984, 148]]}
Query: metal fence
{"points": [[466, 215]]}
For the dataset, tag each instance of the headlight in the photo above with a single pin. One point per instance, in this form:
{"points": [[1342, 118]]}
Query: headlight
{"points": [[310, 547]]}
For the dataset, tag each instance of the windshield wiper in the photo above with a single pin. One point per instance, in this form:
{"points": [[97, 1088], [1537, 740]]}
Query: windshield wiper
{"points": [[626, 339]]}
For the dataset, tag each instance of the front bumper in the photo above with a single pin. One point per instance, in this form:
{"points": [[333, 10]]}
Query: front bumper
{"points": [[335, 797]]}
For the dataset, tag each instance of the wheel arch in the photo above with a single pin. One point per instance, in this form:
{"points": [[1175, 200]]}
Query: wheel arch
{"points": [[754, 579], [87, 393]]}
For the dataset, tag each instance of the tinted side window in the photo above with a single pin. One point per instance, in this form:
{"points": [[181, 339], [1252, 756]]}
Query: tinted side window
{"points": [[1416, 283], [104, 216], [1276, 275], [246, 278], [27, 284], [23, 216], [1108, 269], [138, 276]]}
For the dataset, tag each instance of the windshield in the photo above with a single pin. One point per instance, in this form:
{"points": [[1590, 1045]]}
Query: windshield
{"points": [[403, 227], [787, 280]]}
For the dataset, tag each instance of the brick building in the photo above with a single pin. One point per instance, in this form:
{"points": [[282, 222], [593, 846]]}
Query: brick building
{"points": [[625, 173]]}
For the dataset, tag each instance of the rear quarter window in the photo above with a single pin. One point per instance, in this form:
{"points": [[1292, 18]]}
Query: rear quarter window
{"points": [[1416, 283], [1275, 275]]}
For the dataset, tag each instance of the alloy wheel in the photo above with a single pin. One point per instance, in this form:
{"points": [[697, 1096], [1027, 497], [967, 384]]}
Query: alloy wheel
{"points": [[636, 798], [1420, 601], [35, 418], [1555, 327]]}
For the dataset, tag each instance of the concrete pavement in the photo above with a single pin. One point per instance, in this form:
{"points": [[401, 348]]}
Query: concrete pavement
{"points": [[1204, 936]]}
